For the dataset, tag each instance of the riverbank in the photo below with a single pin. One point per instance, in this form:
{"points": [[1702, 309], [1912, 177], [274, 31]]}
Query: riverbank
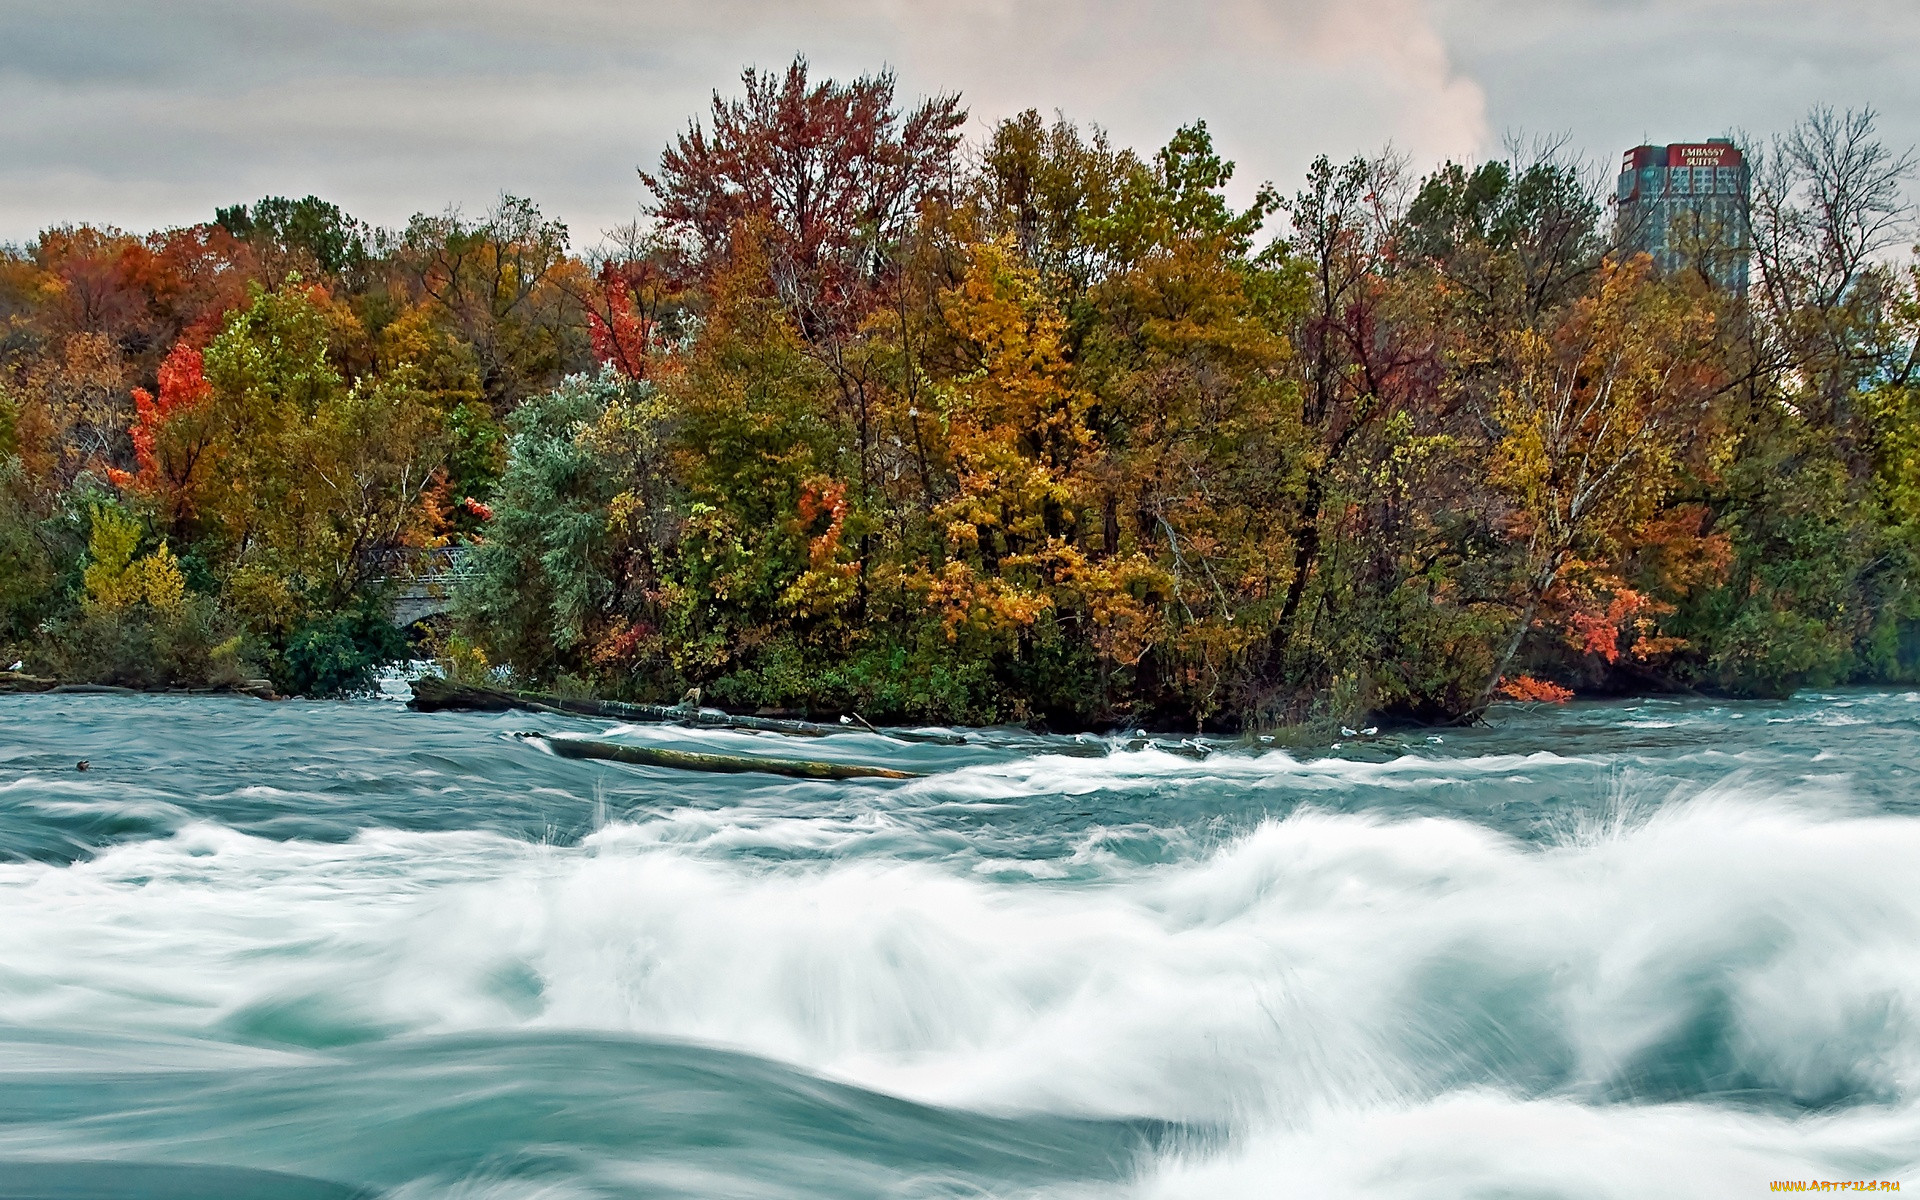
{"points": [[21, 683]]}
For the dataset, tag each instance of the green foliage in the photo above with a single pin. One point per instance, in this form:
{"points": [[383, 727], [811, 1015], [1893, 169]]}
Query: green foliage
{"points": [[544, 570], [1190, 182], [1821, 581], [504, 287], [193, 645], [136, 624], [1502, 209], [338, 654], [27, 568], [478, 451], [273, 358], [331, 240]]}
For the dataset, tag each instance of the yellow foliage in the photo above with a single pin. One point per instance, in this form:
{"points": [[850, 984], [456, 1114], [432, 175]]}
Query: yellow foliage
{"points": [[1015, 426], [416, 349], [76, 401], [1123, 597], [110, 545], [115, 580], [262, 597], [1598, 412], [981, 604], [160, 582], [464, 661]]}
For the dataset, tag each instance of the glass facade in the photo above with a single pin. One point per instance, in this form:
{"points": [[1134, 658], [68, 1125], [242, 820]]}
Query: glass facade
{"points": [[1685, 205]]}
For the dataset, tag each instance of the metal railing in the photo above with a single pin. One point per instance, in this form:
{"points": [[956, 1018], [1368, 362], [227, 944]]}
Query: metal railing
{"points": [[426, 578]]}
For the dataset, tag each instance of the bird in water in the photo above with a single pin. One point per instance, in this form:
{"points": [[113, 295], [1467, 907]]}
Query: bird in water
{"points": [[82, 765]]}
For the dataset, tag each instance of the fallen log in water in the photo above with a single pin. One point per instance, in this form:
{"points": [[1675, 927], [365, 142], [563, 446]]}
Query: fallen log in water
{"points": [[15, 682], [728, 764], [433, 694]]}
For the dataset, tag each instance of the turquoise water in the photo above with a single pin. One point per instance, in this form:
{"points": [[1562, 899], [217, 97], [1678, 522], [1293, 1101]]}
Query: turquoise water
{"points": [[1664, 948]]}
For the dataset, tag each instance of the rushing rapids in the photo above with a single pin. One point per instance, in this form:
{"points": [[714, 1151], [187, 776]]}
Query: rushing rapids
{"points": [[1666, 948]]}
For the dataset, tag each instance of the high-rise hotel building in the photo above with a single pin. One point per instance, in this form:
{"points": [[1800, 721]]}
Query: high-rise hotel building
{"points": [[1686, 205]]}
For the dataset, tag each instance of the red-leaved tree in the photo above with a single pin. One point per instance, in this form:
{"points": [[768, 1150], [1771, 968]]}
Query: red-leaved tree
{"points": [[831, 174], [625, 304], [171, 436]]}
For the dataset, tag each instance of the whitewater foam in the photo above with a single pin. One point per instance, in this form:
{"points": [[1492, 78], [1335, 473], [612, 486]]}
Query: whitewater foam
{"points": [[1717, 946], [1420, 976]]}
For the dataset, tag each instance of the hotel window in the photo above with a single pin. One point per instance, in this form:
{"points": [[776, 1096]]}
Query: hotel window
{"points": [[1703, 181], [1729, 180], [1679, 181]]}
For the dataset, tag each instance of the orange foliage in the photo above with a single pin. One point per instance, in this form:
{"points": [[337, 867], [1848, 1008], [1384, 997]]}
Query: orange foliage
{"points": [[170, 284], [622, 644], [1628, 614], [1527, 689], [827, 583], [1676, 549], [982, 605], [624, 304], [164, 466], [823, 498]]}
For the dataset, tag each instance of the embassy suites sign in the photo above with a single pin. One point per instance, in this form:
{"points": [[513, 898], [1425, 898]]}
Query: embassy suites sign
{"points": [[1708, 154]]}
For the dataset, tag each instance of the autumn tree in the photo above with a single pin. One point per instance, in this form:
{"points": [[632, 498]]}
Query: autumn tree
{"points": [[1013, 444], [504, 287], [832, 175], [72, 409], [632, 301], [93, 284], [1597, 421], [1512, 240], [1056, 192], [828, 179], [173, 435]]}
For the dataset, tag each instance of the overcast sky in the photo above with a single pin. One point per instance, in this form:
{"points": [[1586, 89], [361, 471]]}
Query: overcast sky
{"points": [[142, 113]]}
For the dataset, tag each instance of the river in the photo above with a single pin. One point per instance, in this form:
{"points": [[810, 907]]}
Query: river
{"points": [[1638, 949]]}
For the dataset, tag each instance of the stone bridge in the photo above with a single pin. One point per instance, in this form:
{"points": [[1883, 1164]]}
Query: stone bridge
{"points": [[426, 581]]}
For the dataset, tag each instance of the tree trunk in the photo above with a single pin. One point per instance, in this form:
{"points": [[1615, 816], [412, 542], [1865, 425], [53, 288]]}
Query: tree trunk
{"points": [[1532, 609], [1306, 552]]}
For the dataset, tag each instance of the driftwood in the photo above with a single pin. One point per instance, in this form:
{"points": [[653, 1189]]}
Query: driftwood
{"points": [[729, 764], [14, 682], [433, 694]]}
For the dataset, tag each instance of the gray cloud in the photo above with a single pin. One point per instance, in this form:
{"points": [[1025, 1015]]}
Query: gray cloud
{"points": [[138, 114], [1613, 72]]}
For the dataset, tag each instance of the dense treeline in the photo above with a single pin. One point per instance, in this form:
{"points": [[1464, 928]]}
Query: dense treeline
{"points": [[866, 417]]}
